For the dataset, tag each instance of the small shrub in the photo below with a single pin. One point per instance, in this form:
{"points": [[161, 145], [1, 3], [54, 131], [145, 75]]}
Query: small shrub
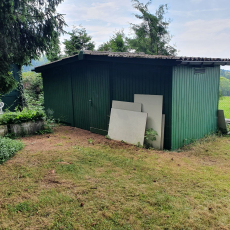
{"points": [[8, 148], [150, 135], [228, 128], [33, 90], [108, 137], [90, 141], [20, 117]]}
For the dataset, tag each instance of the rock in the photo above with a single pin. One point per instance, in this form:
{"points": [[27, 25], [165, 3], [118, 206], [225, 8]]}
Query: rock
{"points": [[3, 130], [26, 128]]}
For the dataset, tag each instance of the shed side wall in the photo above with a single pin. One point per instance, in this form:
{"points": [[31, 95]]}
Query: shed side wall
{"points": [[58, 93], [130, 79], [194, 104]]}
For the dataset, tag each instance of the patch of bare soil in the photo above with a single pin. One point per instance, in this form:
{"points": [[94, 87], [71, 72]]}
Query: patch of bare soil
{"points": [[65, 136]]}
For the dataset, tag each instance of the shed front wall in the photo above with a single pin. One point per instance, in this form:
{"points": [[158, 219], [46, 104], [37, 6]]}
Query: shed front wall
{"points": [[91, 97], [58, 93], [194, 104], [130, 79], [83, 91]]}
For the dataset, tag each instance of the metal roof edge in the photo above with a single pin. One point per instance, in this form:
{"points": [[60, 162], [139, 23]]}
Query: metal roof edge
{"points": [[199, 61]]}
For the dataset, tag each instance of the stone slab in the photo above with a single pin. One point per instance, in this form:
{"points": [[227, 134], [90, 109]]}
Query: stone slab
{"points": [[126, 106], [163, 132], [153, 105], [221, 122], [26, 128], [128, 126], [3, 130]]}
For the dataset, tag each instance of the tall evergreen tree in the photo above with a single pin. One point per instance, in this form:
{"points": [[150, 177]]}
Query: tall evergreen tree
{"points": [[54, 53], [28, 28], [152, 35], [79, 40]]}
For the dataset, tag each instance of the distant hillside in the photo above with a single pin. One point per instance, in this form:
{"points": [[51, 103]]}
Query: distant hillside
{"points": [[225, 73], [34, 63]]}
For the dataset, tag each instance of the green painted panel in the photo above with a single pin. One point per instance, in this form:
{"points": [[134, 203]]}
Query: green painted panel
{"points": [[194, 104], [80, 96], [58, 93], [130, 79], [99, 95], [11, 100]]}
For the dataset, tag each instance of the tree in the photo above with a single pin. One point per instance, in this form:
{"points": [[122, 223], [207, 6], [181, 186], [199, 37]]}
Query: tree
{"points": [[79, 40], [54, 53], [28, 28], [152, 35], [224, 86], [117, 43]]}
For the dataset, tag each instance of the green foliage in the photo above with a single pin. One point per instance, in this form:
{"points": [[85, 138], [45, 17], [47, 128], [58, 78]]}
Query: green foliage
{"points": [[224, 86], [20, 117], [108, 137], [225, 73], [33, 90], [90, 141], [224, 104], [228, 128], [118, 43], [150, 135], [152, 35], [79, 40], [54, 53], [27, 30], [7, 82], [8, 148], [49, 123]]}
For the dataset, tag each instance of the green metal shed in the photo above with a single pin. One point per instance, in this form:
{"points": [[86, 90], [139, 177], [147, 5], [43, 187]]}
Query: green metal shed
{"points": [[80, 89], [12, 100]]}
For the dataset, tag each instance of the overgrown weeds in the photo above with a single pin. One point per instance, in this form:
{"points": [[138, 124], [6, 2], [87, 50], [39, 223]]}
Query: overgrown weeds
{"points": [[8, 148]]}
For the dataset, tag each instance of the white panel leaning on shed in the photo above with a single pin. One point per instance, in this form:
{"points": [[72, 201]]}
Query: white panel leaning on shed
{"points": [[128, 126], [153, 105], [126, 106]]}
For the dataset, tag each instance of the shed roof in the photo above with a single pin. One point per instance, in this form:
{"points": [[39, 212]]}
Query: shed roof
{"points": [[174, 60]]}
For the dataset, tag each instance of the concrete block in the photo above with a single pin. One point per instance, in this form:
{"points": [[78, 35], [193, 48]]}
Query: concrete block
{"points": [[128, 126], [26, 128], [3, 130], [126, 106], [221, 121], [163, 132], [153, 105]]}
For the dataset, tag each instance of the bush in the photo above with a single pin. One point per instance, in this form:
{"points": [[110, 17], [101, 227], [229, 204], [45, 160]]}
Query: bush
{"points": [[20, 117], [33, 90], [8, 148]]}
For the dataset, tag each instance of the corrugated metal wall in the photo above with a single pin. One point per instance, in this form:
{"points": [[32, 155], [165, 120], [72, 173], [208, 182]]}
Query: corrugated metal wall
{"points": [[194, 104], [11, 100], [58, 93], [99, 94], [80, 96], [130, 79]]}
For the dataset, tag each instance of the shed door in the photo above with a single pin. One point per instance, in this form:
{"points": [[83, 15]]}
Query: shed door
{"points": [[99, 97]]}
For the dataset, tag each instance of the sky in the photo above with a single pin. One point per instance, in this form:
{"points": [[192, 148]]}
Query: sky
{"points": [[200, 28]]}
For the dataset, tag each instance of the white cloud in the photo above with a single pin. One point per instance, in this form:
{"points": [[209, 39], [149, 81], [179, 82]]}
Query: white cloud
{"points": [[109, 12], [205, 38]]}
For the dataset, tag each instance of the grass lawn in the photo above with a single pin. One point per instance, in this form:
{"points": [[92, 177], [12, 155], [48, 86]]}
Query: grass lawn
{"points": [[224, 104], [73, 179]]}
